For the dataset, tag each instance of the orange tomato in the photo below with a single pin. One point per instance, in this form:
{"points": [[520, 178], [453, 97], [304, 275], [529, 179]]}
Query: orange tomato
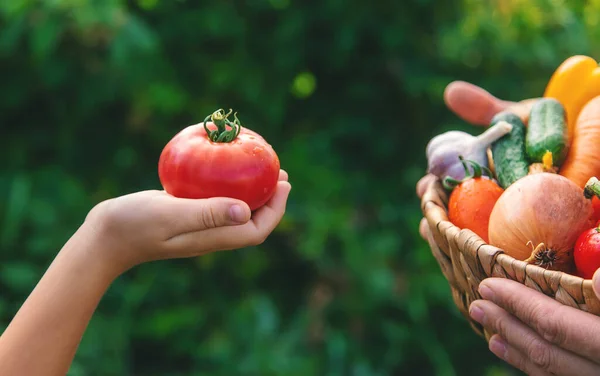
{"points": [[471, 203]]}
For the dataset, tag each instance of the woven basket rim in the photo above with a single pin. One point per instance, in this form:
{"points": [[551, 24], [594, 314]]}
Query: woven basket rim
{"points": [[429, 198]]}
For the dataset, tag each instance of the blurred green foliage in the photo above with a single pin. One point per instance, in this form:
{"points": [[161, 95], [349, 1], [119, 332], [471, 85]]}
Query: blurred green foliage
{"points": [[348, 92]]}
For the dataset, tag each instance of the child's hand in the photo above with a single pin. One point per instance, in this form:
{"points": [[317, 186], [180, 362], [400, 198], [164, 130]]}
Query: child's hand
{"points": [[153, 225], [116, 235]]}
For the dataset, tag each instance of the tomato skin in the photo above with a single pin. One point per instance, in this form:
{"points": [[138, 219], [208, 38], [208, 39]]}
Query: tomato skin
{"points": [[192, 166], [471, 203], [587, 253], [596, 207]]}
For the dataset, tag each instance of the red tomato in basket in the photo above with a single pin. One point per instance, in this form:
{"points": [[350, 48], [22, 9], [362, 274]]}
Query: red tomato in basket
{"points": [[587, 253], [596, 207], [219, 158]]}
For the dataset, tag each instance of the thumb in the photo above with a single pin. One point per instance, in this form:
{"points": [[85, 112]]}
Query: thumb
{"points": [[215, 212], [478, 106], [473, 103], [596, 283]]}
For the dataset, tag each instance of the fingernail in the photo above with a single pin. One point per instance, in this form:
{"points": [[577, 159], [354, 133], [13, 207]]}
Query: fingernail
{"points": [[237, 214], [486, 292], [476, 313], [498, 347]]}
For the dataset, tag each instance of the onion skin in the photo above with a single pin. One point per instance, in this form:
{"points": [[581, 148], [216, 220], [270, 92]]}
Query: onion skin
{"points": [[538, 220]]}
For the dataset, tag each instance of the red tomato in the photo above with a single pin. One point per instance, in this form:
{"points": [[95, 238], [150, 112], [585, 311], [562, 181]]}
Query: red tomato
{"points": [[587, 253], [227, 161], [596, 206]]}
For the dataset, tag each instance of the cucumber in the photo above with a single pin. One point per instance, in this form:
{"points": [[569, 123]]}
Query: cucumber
{"points": [[508, 153], [546, 139]]}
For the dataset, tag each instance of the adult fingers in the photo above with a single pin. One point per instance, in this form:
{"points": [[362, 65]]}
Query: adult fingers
{"points": [[478, 106], [422, 186], [424, 183], [543, 354], [566, 327], [514, 357], [596, 283], [523, 108], [472, 103], [424, 228], [254, 232]]}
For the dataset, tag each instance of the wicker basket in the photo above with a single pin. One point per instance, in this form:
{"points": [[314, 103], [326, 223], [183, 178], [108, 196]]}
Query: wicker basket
{"points": [[466, 260]]}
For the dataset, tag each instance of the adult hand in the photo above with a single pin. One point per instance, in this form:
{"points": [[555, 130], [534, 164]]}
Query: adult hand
{"points": [[477, 107], [537, 334], [153, 225]]}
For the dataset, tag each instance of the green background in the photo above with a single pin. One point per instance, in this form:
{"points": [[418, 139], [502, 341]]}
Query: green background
{"points": [[348, 92]]}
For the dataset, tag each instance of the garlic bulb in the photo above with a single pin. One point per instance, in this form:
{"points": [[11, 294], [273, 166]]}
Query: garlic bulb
{"points": [[443, 150]]}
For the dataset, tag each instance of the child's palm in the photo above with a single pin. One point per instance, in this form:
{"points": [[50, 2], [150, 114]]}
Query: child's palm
{"points": [[152, 225]]}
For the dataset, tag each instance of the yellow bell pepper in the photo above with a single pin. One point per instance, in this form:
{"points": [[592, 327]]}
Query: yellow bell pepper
{"points": [[574, 83]]}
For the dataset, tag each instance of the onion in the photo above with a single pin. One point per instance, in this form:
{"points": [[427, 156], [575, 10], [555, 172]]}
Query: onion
{"points": [[538, 219]]}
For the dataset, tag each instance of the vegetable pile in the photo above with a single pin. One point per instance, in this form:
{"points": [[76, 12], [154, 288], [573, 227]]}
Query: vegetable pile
{"points": [[528, 184]]}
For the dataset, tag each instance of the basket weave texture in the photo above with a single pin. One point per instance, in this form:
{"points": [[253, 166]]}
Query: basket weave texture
{"points": [[465, 260]]}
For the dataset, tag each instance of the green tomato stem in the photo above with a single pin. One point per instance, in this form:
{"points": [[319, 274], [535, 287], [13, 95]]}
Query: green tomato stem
{"points": [[450, 183], [220, 119], [592, 188]]}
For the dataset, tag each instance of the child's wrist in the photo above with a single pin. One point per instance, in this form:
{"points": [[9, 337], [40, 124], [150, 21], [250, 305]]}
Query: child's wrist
{"points": [[90, 247]]}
